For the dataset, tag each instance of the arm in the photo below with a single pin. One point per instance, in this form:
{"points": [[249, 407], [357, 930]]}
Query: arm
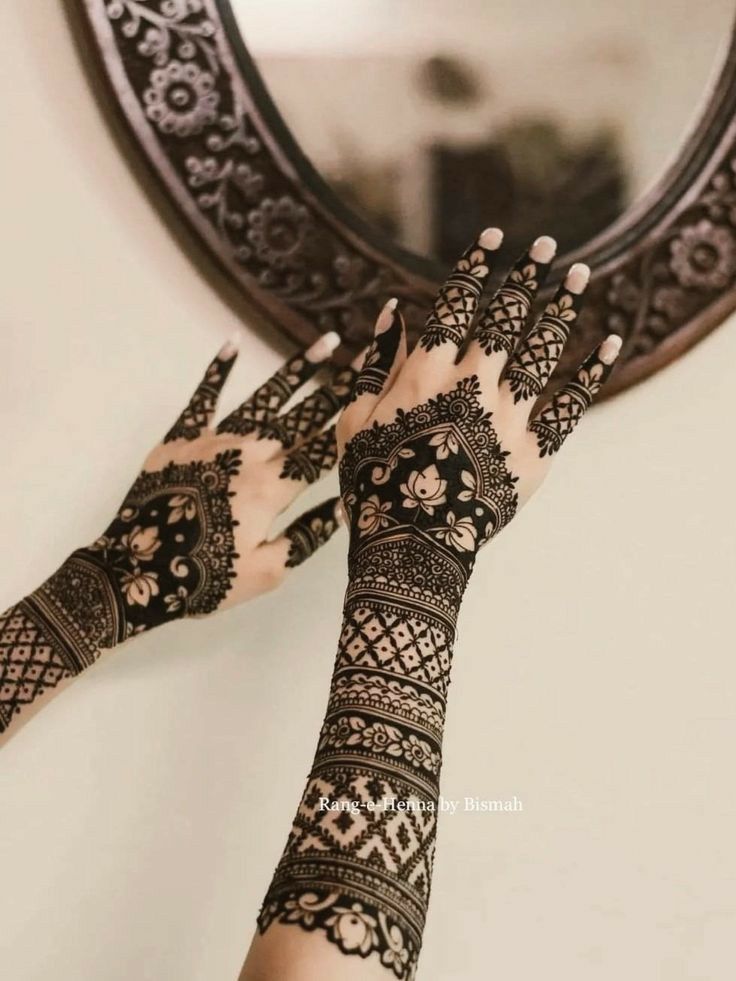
{"points": [[191, 535], [441, 448]]}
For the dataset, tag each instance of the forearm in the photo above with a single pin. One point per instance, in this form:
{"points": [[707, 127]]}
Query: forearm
{"points": [[358, 863]]}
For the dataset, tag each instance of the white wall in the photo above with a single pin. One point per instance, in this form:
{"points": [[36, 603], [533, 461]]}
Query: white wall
{"points": [[142, 812]]}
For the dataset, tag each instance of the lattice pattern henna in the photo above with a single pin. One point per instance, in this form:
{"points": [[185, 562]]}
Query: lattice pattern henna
{"points": [[457, 300], [267, 400], [504, 319], [404, 645], [560, 416], [537, 356], [202, 404], [30, 663], [379, 359], [310, 531], [313, 412], [309, 461]]}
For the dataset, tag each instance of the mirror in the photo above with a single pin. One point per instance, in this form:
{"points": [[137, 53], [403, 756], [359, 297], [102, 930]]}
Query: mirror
{"points": [[427, 122]]}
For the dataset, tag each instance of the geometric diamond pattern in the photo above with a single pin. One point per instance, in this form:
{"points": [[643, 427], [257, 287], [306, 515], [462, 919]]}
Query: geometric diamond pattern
{"points": [[504, 319], [196, 416], [457, 300], [29, 665], [311, 414], [405, 645], [537, 356], [559, 417], [266, 401]]}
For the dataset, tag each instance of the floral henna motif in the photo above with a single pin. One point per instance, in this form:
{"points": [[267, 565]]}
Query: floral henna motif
{"points": [[502, 323], [422, 494], [169, 553], [379, 359], [434, 489], [457, 300], [310, 531], [202, 404]]}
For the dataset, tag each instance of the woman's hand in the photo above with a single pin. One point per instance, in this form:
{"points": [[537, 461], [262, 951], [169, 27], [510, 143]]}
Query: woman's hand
{"points": [[191, 535], [440, 448]]}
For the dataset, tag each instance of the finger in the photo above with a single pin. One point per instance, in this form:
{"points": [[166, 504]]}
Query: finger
{"points": [[311, 414], [503, 321], [381, 365], [201, 408], [305, 535], [305, 464], [563, 412], [530, 367], [265, 403], [457, 301]]}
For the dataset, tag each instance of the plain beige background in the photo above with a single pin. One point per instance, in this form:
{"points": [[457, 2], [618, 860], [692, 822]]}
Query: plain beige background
{"points": [[142, 812]]}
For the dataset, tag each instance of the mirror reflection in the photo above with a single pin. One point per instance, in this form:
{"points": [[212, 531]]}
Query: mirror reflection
{"points": [[428, 117]]}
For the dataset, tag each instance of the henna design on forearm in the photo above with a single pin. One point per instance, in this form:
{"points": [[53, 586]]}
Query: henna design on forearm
{"points": [[265, 403], [422, 494], [380, 358], [502, 323], [457, 300], [202, 404], [312, 413], [538, 354], [310, 531]]}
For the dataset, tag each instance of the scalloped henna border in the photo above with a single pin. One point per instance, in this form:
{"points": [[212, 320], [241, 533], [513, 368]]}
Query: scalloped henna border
{"points": [[663, 276]]}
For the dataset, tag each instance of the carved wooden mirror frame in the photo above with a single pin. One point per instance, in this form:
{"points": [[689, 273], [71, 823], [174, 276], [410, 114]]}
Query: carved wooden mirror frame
{"points": [[664, 274]]}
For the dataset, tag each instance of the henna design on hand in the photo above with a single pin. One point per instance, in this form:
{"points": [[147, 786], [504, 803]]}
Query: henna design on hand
{"points": [[202, 405], [310, 460], [312, 413], [422, 493], [536, 358], [265, 403], [171, 550], [503, 322], [310, 531], [457, 300], [555, 421], [380, 357]]}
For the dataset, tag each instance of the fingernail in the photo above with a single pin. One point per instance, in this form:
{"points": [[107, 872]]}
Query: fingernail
{"points": [[610, 349], [230, 347], [491, 239], [577, 277], [323, 348], [385, 317], [543, 249], [340, 517]]}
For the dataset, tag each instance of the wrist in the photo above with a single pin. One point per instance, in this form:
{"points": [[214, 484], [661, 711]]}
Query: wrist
{"points": [[406, 574], [78, 611]]}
